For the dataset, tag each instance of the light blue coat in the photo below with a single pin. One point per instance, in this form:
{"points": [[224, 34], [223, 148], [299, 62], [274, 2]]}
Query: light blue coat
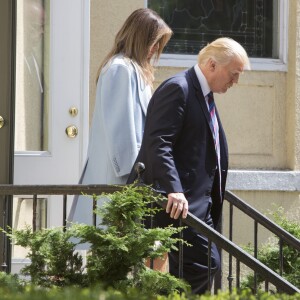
{"points": [[116, 132]]}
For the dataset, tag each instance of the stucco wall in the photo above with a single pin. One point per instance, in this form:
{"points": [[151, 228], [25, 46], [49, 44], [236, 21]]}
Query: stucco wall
{"points": [[261, 132], [261, 115], [107, 17], [253, 116]]}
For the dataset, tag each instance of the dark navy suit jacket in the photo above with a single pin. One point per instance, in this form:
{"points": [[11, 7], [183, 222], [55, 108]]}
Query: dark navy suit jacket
{"points": [[178, 148]]}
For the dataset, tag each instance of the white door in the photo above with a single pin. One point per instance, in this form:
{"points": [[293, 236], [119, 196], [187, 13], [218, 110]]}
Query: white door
{"points": [[52, 79]]}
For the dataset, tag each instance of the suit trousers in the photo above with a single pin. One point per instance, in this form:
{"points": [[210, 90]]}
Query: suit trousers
{"points": [[195, 260]]}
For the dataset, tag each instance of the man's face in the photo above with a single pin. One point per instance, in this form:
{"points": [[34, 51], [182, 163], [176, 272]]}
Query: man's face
{"points": [[224, 76]]}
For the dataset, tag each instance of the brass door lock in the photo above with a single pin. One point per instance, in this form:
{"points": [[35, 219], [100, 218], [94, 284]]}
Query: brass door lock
{"points": [[72, 131], [2, 122]]}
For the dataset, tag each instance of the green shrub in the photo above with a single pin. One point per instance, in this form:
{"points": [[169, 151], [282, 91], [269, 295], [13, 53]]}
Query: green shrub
{"points": [[74, 293], [269, 254], [9, 284], [120, 245], [115, 267], [53, 260], [118, 248]]}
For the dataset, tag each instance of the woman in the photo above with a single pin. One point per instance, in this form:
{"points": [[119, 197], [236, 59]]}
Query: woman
{"points": [[124, 83]]}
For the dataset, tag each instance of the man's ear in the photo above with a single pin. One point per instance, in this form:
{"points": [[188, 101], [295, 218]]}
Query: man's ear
{"points": [[211, 65]]}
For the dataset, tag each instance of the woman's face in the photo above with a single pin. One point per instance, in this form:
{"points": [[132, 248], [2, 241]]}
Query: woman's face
{"points": [[153, 49]]}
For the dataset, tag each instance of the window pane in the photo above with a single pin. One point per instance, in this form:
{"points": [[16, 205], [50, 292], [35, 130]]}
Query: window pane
{"points": [[31, 125], [253, 23]]}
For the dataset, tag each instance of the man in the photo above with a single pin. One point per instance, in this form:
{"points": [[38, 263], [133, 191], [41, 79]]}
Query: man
{"points": [[184, 151]]}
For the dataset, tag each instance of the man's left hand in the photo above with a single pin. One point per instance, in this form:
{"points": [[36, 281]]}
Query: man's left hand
{"points": [[176, 205]]}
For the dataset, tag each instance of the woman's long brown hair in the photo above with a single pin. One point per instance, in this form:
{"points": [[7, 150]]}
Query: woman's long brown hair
{"points": [[142, 29]]}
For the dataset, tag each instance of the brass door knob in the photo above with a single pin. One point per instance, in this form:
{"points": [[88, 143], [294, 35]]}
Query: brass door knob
{"points": [[2, 122], [72, 131]]}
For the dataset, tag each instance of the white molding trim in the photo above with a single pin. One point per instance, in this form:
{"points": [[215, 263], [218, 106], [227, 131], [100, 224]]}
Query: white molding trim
{"points": [[257, 64], [283, 18], [85, 66], [256, 180], [187, 61]]}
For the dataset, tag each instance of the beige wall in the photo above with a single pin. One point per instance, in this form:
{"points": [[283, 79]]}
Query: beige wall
{"points": [[261, 115], [253, 116], [107, 17]]}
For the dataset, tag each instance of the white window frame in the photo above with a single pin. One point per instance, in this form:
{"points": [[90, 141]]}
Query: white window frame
{"points": [[257, 64]]}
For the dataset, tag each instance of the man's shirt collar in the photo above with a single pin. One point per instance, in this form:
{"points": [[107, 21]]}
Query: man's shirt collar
{"points": [[202, 80]]}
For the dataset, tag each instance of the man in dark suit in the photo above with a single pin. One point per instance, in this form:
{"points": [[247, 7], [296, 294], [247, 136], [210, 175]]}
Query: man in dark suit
{"points": [[184, 151]]}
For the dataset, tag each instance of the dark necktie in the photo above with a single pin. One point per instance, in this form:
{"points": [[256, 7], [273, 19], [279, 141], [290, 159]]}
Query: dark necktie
{"points": [[214, 122], [215, 129]]}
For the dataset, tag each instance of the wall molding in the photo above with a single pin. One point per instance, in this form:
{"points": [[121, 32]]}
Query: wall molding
{"points": [[256, 180]]}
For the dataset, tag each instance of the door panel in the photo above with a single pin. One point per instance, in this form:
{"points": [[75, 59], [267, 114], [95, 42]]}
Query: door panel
{"points": [[58, 159], [52, 75]]}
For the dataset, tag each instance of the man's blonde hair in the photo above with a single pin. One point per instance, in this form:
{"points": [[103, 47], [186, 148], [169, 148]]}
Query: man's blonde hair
{"points": [[223, 51]]}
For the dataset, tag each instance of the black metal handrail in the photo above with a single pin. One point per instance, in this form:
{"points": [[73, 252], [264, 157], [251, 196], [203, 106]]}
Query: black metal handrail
{"points": [[262, 220], [241, 256], [285, 238], [212, 235], [61, 189]]}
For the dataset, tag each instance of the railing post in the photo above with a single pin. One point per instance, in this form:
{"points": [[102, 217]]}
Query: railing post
{"points": [[94, 209], [34, 212], [218, 276], [64, 211], [5, 247], [238, 274], [255, 254], [280, 256], [230, 277], [209, 266], [266, 286], [180, 260]]}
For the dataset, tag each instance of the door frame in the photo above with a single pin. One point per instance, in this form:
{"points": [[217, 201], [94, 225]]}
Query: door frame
{"points": [[7, 97]]}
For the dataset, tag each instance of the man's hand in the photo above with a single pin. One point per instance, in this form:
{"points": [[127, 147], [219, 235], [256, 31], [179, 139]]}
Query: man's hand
{"points": [[177, 203]]}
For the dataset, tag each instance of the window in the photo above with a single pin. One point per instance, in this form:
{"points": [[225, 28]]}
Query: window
{"points": [[32, 66], [257, 24]]}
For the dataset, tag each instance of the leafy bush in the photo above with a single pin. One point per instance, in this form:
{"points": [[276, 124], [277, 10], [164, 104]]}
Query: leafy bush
{"points": [[120, 245], [53, 260], [269, 254], [31, 292], [9, 284], [118, 248], [115, 266]]}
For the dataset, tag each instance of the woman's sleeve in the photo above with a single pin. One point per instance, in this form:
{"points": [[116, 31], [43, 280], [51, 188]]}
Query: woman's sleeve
{"points": [[117, 112]]}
